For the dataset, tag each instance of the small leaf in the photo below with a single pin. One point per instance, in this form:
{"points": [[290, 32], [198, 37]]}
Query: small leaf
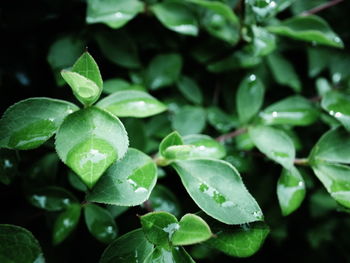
{"points": [[219, 20], [192, 229], [336, 179], [116, 84], [19, 245], [239, 241], [334, 147], [174, 255], [190, 90], [8, 166], [217, 188], [309, 28], [76, 182], [290, 190], [220, 120], [295, 110], [189, 120], [85, 144], [162, 199], [172, 139], [119, 48], [65, 223], [250, 97], [159, 227], [263, 41], [22, 130], [176, 16], [51, 198], [112, 13], [133, 247], [275, 144], [131, 103], [337, 105], [163, 70], [100, 223], [283, 72], [205, 146], [318, 59], [128, 182]]}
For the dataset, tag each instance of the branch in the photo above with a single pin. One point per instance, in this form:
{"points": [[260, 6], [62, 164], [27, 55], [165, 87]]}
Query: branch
{"points": [[231, 135], [321, 7]]}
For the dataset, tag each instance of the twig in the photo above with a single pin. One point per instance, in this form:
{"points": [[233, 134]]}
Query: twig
{"points": [[321, 7], [231, 135], [302, 161]]}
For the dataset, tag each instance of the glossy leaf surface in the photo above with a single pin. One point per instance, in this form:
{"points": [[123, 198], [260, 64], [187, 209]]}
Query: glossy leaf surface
{"points": [[23, 131], [128, 182], [83, 142], [189, 120], [171, 139]]}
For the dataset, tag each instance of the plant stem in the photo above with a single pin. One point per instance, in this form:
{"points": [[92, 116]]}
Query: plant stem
{"points": [[321, 7], [301, 161], [231, 135]]}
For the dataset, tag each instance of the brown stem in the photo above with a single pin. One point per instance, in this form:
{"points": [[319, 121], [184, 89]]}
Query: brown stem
{"points": [[231, 135], [301, 161], [148, 206], [321, 7]]}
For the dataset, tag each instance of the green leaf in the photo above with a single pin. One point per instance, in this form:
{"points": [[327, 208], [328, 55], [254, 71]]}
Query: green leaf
{"points": [[8, 166], [76, 182], [219, 20], [115, 14], [84, 79], [159, 227], [338, 105], [172, 139], [239, 241], [163, 70], [336, 179], [334, 147], [290, 190], [176, 16], [133, 247], [31, 122], [275, 144], [192, 229], [318, 60], [65, 223], [175, 255], [189, 120], [85, 144], [309, 28], [51, 198], [128, 182], [131, 103], [162, 199], [283, 72], [116, 84], [250, 97], [217, 188], [18, 245], [100, 223], [263, 41], [220, 120], [261, 10], [205, 146], [294, 110], [119, 48], [190, 90]]}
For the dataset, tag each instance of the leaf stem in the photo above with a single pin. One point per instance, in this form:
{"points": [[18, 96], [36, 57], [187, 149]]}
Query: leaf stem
{"points": [[301, 161], [231, 135], [321, 7]]}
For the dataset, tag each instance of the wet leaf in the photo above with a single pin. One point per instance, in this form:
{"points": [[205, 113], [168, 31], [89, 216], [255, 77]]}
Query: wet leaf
{"points": [[250, 97], [176, 16], [131, 103], [133, 247], [83, 142], [309, 28], [22, 130], [100, 223], [337, 105], [295, 110], [65, 223], [51, 198], [290, 190], [175, 255], [163, 70], [171, 139], [275, 144], [192, 229], [217, 188], [112, 13], [205, 146], [15, 239], [159, 227], [128, 182], [189, 120]]}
